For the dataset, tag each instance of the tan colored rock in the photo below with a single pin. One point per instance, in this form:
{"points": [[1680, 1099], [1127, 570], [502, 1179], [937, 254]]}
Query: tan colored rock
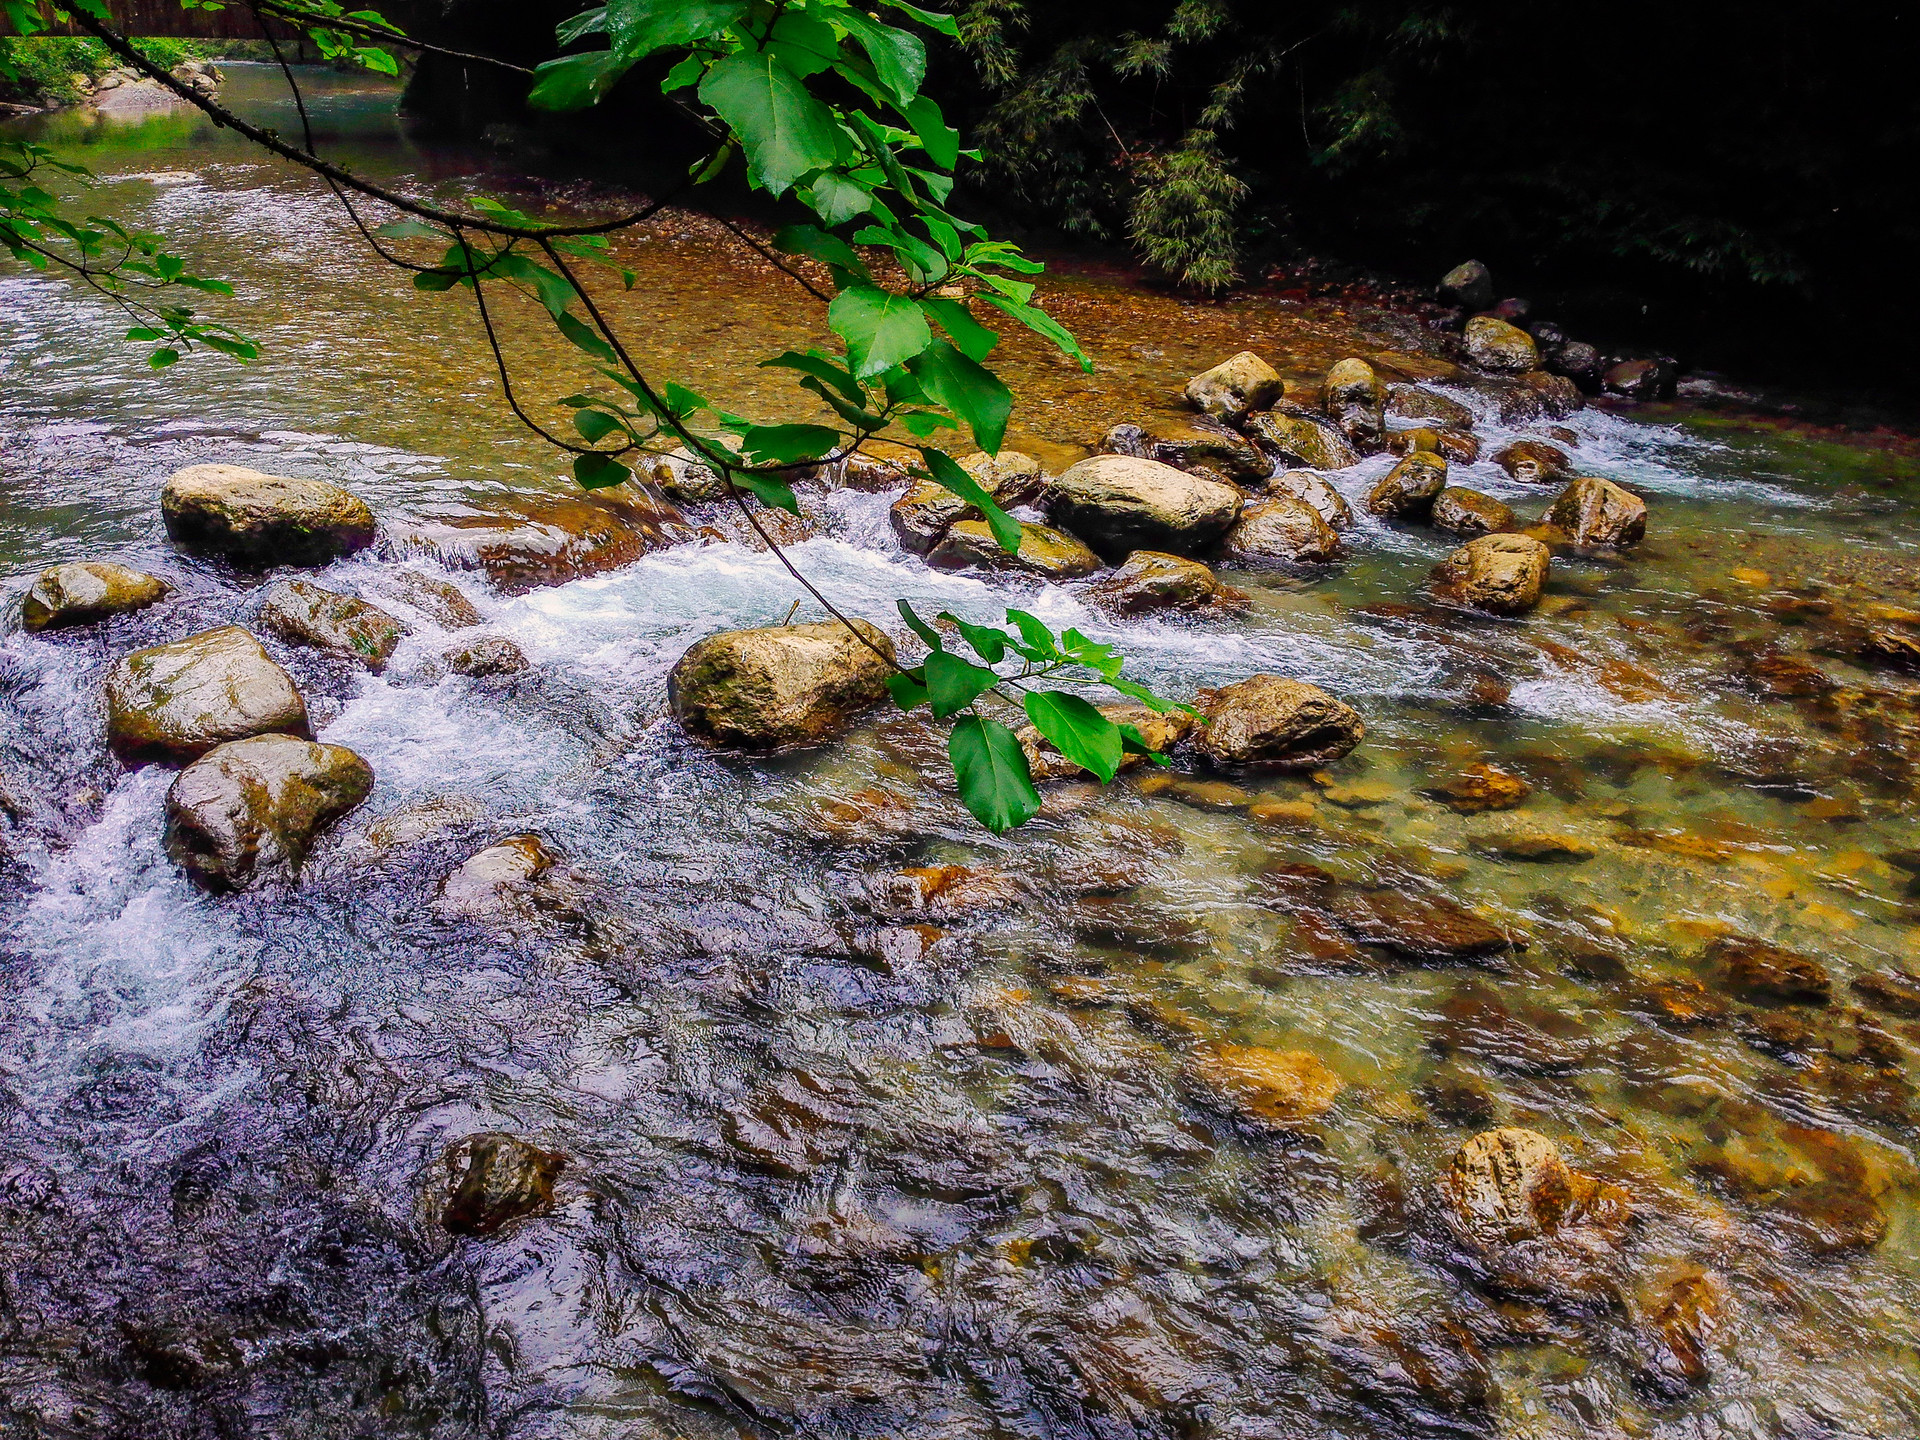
{"points": [[1501, 574], [178, 701], [260, 520], [1282, 1088], [781, 687], [252, 807], [1317, 491], [1416, 402], [1281, 528], [525, 543], [1480, 787], [421, 820], [1458, 447], [1559, 396], [84, 591], [492, 884], [305, 614], [1235, 387], [439, 600], [1158, 732], [1407, 491], [1296, 437], [921, 516], [1505, 1186], [1461, 511], [1495, 345], [1153, 580], [1597, 512], [1534, 462], [1351, 381], [1267, 722], [1118, 504], [949, 892], [1044, 551], [1677, 1330]]}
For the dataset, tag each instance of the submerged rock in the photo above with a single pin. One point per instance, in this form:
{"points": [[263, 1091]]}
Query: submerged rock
{"points": [[1118, 504], [1316, 491], [1600, 513], [1270, 723], [780, 687], [1282, 1088], [1153, 580], [1416, 402], [489, 655], [253, 807], [1502, 574], [497, 1178], [1493, 344], [85, 591], [525, 543], [305, 614], [1770, 974], [1300, 438], [1423, 927], [1407, 491], [1481, 787], [1895, 991], [1235, 387], [1640, 379], [1281, 528], [1461, 511], [1044, 551], [439, 600], [1511, 1185], [178, 701], [1534, 462], [260, 520], [1829, 1217], [492, 884]]}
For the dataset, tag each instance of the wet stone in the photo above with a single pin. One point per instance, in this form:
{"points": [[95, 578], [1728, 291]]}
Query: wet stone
{"points": [[532, 541], [1829, 1218], [1281, 528], [1769, 974], [252, 807], [85, 591], [1676, 1331], [1501, 574], [1118, 504], [1480, 787], [179, 700], [1316, 491], [1460, 511], [1421, 927], [1281, 1088], [1492, 344], [1235, 387], [1160, 732], [1681, 1003], [779, 687], [1598, 512], [1296, 438], [1407, 491], [1152, 580], [1267, 722], [489, 884], [1416, 402], [1896, 991], [305, 614], [1534, 462], [1131, 925], [1458, 447], [1044, 551], [261, 520], [439, 600], [498, 1178], [948, 891], [489, 655]]}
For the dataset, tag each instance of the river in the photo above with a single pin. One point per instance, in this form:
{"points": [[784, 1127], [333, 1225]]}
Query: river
{"points": [[976, 1192]]}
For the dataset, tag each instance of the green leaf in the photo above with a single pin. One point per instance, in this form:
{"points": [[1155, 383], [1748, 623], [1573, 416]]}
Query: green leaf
{"points": [[920, 627], [974, 394], [787, 133], [1077, 730], [803, 42], [1146, 697], [574, 82], [908, 693], [811, 362], [1035, 632], [948, 475], [585, 336], [881, 329], [437, 280], [933, 20], [587, 22], [899, 57], [995, 784], [595, 425], [954, 683], [410, 230], [598, 472], [988, 643], [1041, 323], [836, 198], [554, 292], [640, 27], [776, 494], [940, 141], [162, 358], [1134, 743], [787, 444], [970, 337], [812, 241]]}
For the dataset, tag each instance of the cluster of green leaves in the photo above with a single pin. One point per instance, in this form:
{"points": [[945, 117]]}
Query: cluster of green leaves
{"points": [[996, 781], [333, 43], [133, 268]]}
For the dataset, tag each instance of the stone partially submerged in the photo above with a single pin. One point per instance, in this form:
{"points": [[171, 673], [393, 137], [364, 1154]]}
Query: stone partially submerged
{"points": [[1235, 388], [252, 808], [1044, 551], [1596, 512], [84, 591], [1501, 574], [781, 687], [1299, 438], [1154, 580], [1493, 344], [178, 701], [532, 541], [1118, 504], [1317, 491], [306, 614], [1268, 722], [1281, 528], [260, 520], [1408, 490], [497, 1178]]}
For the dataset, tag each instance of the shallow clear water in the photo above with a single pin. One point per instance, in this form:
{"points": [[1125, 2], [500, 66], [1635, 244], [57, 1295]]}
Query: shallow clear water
{"points": [[998, 1201]]}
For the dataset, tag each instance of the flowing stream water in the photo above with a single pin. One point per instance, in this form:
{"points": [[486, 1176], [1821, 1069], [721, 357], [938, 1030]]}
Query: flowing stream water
{"points": [[822, 1185]]}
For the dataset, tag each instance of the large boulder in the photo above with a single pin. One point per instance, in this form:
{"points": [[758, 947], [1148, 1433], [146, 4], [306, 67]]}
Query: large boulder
{"points": [[305, 614], [1281, 528], [1495, 345], [178, 701], [1407, 491], [1154, 580], [1270, 723], [1235, 388], [1599, 513], [1119, 504], [531, 541], [1501, 574], [1317, 491], [1468, 285], [1353, 395], [781, 687], [1534, 462], [1200, 447], [1044, 551], [84, 591], [1416, 402], [1296, 437], [1460, 511], [261, 520], [252, 807]]}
